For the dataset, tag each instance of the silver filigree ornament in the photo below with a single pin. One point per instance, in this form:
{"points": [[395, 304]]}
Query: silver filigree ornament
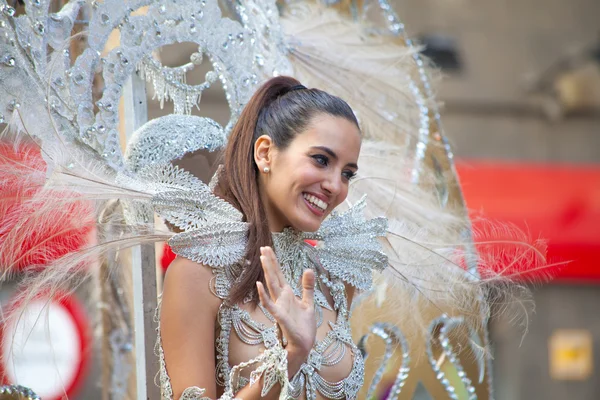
{"points": [[439, 330], [393, 338], [169, 138], [41, 56], [18, 390]]}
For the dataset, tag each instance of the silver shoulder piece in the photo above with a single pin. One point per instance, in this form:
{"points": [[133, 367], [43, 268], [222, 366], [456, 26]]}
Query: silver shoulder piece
{"points": [[351, 250], [213, 231]]}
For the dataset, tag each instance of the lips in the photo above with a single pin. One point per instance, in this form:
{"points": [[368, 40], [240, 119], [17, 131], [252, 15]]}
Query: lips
{"points": [[315, 201], [314, 204]]}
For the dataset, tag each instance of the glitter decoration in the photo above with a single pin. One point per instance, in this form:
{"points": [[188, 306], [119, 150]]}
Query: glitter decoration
{"points": [[20, 391], [169, 138], [393, 337], [446, 325], [73, 83]]}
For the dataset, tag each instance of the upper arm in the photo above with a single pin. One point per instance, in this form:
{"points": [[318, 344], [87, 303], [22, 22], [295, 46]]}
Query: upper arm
{"points": [[187, 320], [350, 291]]}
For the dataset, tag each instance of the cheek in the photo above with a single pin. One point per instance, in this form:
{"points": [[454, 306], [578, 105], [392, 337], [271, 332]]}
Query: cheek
{"points": [[305, 176], [342, 195]]}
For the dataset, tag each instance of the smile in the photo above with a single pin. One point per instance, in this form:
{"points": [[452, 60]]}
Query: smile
{"points": [[318, 204]]}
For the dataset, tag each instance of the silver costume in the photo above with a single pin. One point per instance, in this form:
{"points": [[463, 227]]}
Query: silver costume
{"points": [[46, 95], [348, 253]]}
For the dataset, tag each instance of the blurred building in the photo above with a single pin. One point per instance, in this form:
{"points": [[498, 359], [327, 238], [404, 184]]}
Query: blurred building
{"points": [[521, 85]]}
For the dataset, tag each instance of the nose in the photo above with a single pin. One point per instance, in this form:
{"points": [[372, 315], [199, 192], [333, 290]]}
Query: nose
{"points": [[332, 184]]}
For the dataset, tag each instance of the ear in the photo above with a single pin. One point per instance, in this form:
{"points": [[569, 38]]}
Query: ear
{"points": [[263, 152]]}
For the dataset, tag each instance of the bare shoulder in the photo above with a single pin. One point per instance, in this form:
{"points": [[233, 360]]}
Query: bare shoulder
{"points": [[189, 282], [188, 317]]}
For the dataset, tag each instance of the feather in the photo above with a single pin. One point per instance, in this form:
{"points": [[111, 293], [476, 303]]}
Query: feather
{"points": [[372, 73]]}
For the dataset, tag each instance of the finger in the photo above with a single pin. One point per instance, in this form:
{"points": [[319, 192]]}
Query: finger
{"points": [[271, 277], [269, 252], [264, 297], [308, 287]]}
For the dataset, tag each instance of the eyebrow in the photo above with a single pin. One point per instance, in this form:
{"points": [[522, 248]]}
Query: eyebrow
{"points": [[333, 155]]}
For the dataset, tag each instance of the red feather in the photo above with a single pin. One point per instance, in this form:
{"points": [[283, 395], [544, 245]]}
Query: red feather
{"points": [[22, 177]]}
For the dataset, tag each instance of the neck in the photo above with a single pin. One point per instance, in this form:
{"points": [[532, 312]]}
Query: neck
{"points": [[274, 218]]}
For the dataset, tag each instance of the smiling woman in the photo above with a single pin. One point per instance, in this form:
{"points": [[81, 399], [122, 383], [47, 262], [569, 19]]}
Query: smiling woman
{"points": [[309, 177], [288, 164]]}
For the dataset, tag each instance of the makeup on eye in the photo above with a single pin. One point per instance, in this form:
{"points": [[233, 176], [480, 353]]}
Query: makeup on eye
{"points": [[349, 175], [323, 161]]}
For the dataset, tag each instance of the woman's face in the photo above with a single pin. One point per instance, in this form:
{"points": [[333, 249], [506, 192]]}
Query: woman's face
{"points": [[308, 179]]}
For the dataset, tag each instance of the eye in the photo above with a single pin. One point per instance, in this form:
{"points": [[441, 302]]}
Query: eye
{"points": [[349, 175], [321, 159]]}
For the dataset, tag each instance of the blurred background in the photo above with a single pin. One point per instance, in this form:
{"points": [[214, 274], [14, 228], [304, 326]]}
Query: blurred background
{"points": [[520, 93], [520, 90]]}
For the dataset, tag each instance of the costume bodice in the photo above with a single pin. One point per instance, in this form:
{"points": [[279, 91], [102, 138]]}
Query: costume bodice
{"points": [[334, 368]]}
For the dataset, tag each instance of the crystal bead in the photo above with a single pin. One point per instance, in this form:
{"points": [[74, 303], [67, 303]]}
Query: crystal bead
{"points": [[14, 105], [211, 77], [196, 58]]}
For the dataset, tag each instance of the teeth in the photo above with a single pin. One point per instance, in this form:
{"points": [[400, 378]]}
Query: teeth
{"points": [[315, 201]]}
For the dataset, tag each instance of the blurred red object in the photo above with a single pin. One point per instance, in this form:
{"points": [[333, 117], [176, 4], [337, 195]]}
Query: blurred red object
{"points": [[168, 256], [71, 322], [49, 237], [555, 202]]}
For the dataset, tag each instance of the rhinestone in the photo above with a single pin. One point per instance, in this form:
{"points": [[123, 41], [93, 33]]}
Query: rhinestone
{"points": [[59, 82], [162, 9], [104, 19], [89, 132], [9, 61], [1, 118], [78, 79], [8, 11], [39, 28], [260, 60], [54, 102]]}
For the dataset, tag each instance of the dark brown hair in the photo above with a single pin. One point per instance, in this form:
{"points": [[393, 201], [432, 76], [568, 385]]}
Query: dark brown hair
{"points": [[281, 108]]}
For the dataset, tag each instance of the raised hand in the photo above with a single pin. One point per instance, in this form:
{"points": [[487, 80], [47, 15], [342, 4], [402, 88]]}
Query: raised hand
{"points": [[296, 317]]}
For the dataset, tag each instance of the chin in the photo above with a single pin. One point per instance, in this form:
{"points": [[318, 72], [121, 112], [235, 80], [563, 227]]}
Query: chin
{"points": [[310, 224]]}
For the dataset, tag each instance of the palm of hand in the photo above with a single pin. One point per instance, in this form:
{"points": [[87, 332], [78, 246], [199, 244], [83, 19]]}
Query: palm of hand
{"points": [[295, 316]]}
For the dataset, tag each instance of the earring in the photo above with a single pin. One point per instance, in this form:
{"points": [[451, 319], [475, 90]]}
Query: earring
{"points": [[266, 170]]}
